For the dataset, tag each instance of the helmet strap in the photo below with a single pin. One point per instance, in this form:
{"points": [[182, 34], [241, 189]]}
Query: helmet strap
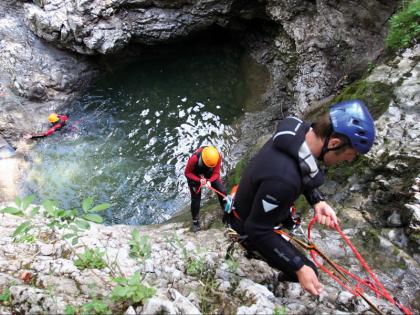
{"points": [[325, 148]]}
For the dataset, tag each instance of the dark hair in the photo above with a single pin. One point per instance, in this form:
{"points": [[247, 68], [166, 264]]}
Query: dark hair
{"points": [[323, 128]]}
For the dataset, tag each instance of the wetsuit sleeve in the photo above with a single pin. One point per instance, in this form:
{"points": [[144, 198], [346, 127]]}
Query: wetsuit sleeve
{"points": [[313, 196], [189, 169], [216, 170], [271, 205], [47, 133], [53, 129]]}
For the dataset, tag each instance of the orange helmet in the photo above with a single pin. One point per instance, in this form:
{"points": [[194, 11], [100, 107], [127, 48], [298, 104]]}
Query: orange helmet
{"points": [[210, 156], [52, 118]]}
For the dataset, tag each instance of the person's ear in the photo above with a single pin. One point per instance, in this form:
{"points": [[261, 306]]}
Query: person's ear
{"points": [[334, 143]]}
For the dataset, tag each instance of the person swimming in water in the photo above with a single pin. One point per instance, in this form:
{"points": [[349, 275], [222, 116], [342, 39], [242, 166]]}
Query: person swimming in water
{"points": [[57, 123]]}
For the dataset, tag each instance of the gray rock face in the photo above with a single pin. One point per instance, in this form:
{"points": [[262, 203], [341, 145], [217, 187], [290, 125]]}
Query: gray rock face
{"points": [[91, 27], [175, 252], [398, 136], [35, 78], [327, 57]]}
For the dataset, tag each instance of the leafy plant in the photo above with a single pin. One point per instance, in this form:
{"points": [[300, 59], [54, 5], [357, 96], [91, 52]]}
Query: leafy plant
{"points": [[233, 264], [280, 311], [131, 290], [5, 296], [404, 26], [21, 206], [91, 259], [95, 307], [57, 218], [71, 220], [370, 66], [139, 245], [24, 233], [70, 310], [195, 266]]}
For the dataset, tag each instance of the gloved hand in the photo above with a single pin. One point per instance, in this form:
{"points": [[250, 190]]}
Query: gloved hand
{"points": [[208, 184]]}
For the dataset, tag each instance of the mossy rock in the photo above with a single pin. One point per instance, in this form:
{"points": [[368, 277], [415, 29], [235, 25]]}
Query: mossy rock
{"points": [[341, 172], [376, 95], [234, 176]]}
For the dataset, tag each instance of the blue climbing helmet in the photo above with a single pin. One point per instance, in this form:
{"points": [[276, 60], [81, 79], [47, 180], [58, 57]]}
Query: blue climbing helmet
{"points": [[352, 119]]}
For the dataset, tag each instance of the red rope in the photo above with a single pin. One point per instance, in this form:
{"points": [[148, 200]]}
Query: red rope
{"points": [[377, 286]]}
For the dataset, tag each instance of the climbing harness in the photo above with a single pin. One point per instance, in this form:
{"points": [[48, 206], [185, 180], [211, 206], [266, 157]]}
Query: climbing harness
{"points": [[336, 272]]}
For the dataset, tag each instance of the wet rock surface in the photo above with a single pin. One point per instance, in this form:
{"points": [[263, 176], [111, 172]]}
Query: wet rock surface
{"points": [[35, 78]]}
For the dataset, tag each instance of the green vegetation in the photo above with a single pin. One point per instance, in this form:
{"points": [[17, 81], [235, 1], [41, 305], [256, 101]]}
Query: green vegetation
{"points": [[195, 266], [70, 310], [280, 310], [301, 205], [131, 290], [23, 233], [235, 175], [341, 172], [233, 264], [5, 296], [194, 263], [376, 95], [96, 307], [404, 26], [207, 294], [139, 245], [72, 221], [91, 259]]}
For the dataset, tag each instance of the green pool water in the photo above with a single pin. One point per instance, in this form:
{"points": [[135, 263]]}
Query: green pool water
{"points": [[129, 136]]}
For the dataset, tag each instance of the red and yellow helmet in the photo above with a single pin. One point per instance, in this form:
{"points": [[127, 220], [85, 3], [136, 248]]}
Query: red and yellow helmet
{"points": [[210, 156], [52, 118]]}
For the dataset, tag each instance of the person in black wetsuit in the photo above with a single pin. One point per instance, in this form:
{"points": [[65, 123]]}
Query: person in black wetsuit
{"points": [[285, 168]]}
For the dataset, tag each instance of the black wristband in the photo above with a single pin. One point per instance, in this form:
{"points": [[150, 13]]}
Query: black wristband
{"points": [[314, 196]]}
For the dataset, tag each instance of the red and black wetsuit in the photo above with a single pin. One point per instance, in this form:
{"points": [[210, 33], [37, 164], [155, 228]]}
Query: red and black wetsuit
{"points": [[282, 170], [194, 170], [60, 123]]}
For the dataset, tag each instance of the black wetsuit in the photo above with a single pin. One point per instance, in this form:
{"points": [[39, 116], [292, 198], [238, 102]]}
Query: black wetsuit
{"points": [[274, 179]]}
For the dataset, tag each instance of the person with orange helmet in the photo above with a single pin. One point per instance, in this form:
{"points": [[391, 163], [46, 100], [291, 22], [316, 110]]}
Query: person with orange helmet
{"points": [[57, 122], [203, 170]]}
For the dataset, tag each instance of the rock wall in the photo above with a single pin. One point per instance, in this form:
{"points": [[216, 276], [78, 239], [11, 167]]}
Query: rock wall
{"points": [[91, 27], [35, 78]]}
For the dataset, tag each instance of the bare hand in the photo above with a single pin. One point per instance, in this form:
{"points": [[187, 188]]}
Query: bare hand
{"points": [[202, 181], [325, 214], [309, 281]]}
